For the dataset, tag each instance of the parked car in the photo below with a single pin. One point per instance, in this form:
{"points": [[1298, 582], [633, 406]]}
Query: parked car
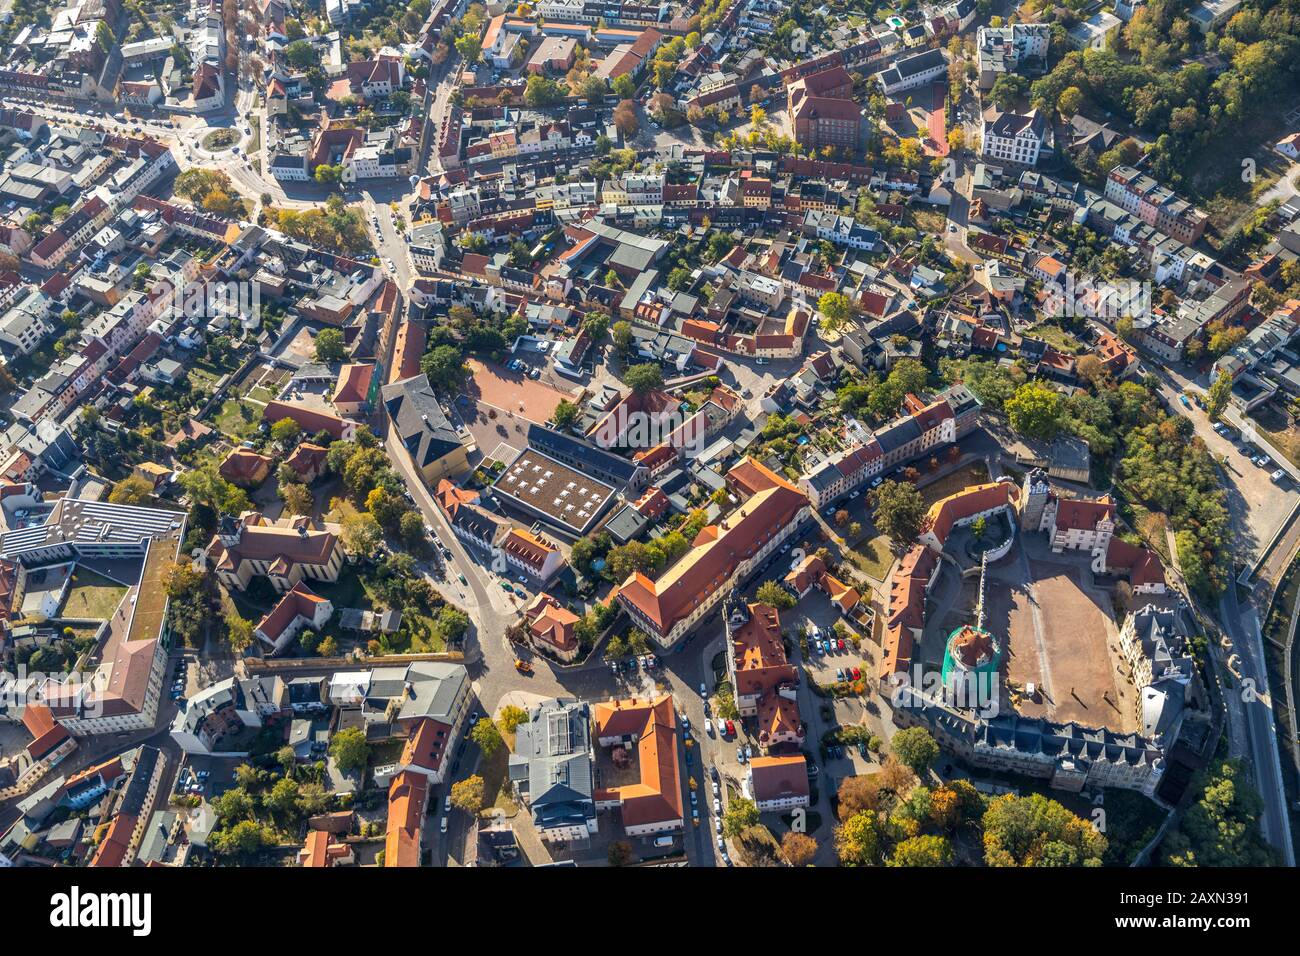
{"points": [[1278, 476], [704, 690], [442, 827], [708, 727], [740, 754], [749, 752], [731, 729]]}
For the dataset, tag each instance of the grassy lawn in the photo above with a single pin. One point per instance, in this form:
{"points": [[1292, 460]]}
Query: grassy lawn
{"points": [[493, 771], [873, 557], [220, 139], [929, 220], [203, 378], [347, 591], [92, 596], [261, 394], [238, 419], [1057, 337], [424, 639]]}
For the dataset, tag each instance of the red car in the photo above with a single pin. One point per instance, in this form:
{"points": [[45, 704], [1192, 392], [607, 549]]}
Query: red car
{"points": [[840, 644], [857, 674], [731, 729]]}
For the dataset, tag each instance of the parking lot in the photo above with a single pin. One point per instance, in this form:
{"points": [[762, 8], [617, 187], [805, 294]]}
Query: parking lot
{"points": [[1258, 502]]}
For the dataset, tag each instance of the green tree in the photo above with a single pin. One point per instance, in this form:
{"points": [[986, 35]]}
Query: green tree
{"points": [[566, 413], [773, 595], [297, 498], [924, 850], [856, 841], [283, 798], [359, 531], [623, 337], [330, 346], [899, 511], [242, 840], [131, 490], [349, 749], [1216, 400], [512, 717], [741, 814], [470, 47], [286, 432], [916, 749], [836, 309], [1069, 102], [644, 378], [205, 486], [624, 86], [597, 326], [302, 55], [1035, 410], [486, 735], [679, 278], [1221, 827], [1037, 831], [541, 91], [445, 367], [468, 794]]}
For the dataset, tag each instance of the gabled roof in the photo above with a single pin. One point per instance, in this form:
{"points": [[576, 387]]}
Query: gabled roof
{"points": [[408, 796], [421, 425], [657, 796], [778, 778]]}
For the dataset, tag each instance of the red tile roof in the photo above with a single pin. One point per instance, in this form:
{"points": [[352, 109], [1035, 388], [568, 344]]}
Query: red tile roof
{"points": [[657, 796], [776, 778], [408, 796], [717, 552]]}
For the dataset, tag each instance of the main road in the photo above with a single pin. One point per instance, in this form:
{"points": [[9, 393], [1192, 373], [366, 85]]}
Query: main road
{"points": [[1253, 703]]}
